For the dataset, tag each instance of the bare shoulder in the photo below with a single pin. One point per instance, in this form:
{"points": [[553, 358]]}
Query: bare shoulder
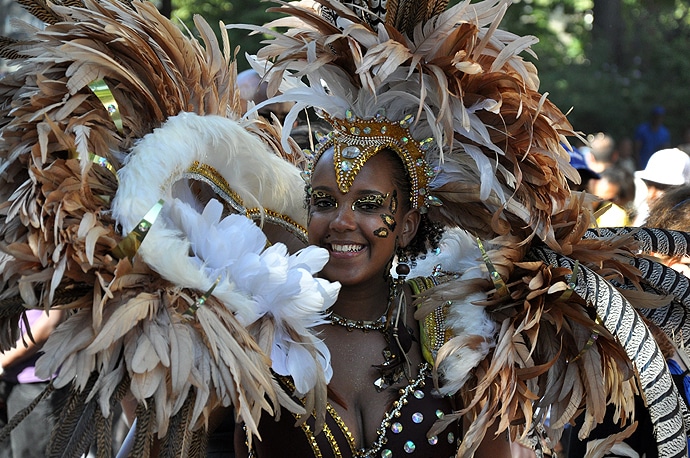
{"points": [[494, 446]]}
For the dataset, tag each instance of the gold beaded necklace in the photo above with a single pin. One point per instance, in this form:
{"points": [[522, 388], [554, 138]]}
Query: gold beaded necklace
{"points": [[378, 324]]}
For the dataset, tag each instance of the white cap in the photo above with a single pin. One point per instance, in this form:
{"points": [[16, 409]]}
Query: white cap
{"points": [[670, 167]]}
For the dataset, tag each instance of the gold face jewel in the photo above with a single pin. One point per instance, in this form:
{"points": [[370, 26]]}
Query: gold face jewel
{"points": [[394, 202], [389, 221], [381, 232]]}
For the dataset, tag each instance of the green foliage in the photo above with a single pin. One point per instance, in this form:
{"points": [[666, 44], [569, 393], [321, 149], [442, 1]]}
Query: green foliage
{"points": [[607, 91], [229, 12]]}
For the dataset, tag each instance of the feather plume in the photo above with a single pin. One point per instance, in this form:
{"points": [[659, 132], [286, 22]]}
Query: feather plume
{"points": [[471, 92], [187, 322], [525, 373]]}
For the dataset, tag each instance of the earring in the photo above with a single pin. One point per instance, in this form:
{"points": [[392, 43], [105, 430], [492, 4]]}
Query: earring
{"points": [[402, 269], [401, 334]]}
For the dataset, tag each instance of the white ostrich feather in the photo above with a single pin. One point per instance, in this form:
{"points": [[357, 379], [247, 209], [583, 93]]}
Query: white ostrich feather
{"points": [[160, 160], [196, 247], [162, 157], [270, 281], [457, 252], [457, 357]]}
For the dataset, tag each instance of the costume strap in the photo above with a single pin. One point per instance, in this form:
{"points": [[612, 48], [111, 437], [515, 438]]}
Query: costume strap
{"points": [[433, 329]]}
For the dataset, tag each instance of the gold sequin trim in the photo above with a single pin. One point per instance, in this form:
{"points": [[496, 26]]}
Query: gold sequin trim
{"points": [[306, 429], [210, 176], [311, 438], [433, 331], [331, 440], [217, 179], [343, 427]]}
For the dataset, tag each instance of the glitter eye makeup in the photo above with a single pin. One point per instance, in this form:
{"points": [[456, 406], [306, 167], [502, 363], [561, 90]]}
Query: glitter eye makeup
{"points": [[389, 221], [319, 198], [394, 202], [369, 199], [320, 195]]}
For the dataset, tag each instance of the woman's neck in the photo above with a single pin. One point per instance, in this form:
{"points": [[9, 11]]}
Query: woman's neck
{"points": [[363, 302]]}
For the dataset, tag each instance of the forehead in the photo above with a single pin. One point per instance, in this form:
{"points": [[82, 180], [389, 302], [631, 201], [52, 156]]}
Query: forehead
{"points": [[376, 174]]}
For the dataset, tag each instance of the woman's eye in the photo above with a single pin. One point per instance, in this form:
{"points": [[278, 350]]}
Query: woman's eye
{"points": [[322, 200], [369, 203], [367, 206], [323, 203]]}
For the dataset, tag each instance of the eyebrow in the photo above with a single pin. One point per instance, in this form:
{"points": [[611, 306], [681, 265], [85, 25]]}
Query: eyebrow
{"points": [[361, 192], [322, 188], [367, 192]]}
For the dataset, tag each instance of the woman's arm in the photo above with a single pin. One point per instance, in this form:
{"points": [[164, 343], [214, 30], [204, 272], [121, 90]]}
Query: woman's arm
{"points": [[26, 347]]}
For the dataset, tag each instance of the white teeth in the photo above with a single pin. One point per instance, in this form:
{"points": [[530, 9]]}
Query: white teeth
{"points": [[346, 248]]}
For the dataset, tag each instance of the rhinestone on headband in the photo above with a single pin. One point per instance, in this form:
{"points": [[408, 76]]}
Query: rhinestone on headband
{"points": [[356, 140]]}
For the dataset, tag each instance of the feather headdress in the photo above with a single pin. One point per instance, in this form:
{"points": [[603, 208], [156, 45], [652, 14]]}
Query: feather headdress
{"points": [[132, 196], [497, 158], [561, 298]]}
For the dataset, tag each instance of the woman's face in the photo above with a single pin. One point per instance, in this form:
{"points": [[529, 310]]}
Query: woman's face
{"points": [[359, 228]]}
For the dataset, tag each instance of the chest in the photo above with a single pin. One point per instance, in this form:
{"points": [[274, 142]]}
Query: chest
{"points": [[402, 430], [352, 392]]}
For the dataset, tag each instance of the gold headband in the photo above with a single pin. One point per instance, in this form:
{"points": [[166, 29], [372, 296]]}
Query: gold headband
{"points": [[356, 140]]}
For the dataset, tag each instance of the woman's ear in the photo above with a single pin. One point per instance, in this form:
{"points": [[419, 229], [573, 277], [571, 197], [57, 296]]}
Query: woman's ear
{"points": [[410, 224]]}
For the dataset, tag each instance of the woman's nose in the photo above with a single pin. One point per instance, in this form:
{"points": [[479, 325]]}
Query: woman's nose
{"points": [[344, 219]]}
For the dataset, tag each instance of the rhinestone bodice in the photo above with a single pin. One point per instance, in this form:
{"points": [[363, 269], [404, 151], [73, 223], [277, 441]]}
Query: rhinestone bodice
{"points": [[403, 430]]}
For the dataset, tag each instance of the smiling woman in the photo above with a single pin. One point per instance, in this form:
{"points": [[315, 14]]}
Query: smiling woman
{"points": [[438, 121], [380, 399], [363, 227]]}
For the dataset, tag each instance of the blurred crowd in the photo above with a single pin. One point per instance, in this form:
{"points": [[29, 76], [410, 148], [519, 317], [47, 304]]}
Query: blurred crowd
{"points": [[628, 176]]}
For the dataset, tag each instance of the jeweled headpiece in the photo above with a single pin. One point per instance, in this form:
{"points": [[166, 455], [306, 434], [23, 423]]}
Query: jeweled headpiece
{"points": [[356, 140]]}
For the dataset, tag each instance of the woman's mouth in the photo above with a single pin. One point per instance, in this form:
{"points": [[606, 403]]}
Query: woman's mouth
{"points": [[346, 248]]}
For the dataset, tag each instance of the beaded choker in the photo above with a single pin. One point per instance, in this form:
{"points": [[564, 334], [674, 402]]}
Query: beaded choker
{"points": [[375, 325], [392, 325], [378, 324]]}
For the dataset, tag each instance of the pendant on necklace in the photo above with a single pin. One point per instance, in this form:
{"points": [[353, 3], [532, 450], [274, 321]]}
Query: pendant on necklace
{"points": [[392, 370]]}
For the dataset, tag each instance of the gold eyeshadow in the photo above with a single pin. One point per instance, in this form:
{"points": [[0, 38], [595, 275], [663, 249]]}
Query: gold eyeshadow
{"points": [[377, 199]]}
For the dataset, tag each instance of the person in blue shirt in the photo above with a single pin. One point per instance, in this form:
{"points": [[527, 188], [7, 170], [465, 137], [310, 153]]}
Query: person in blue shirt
{"points": [[651, 136]]}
